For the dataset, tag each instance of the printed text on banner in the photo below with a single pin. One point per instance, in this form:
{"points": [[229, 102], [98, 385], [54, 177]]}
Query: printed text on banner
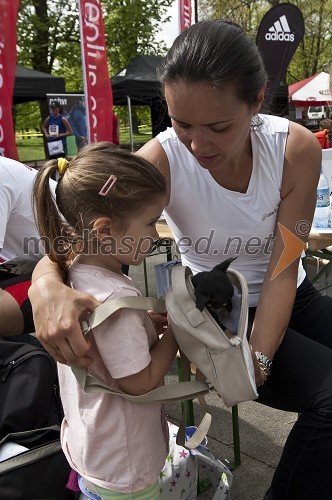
{"points": [[97, 85]]}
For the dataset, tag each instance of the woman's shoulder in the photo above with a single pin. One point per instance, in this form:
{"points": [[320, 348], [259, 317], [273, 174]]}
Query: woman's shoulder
{"points": [[272, 124], [302, 145], [167, 135], [153, 152]]}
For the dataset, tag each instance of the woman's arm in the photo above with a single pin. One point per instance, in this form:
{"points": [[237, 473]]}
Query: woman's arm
{"points": [[57, 310], [298, 198], [153, 152], [45, 127]]}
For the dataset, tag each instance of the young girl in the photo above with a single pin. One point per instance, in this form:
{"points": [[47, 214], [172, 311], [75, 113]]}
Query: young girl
{"points": [[107, 204]]}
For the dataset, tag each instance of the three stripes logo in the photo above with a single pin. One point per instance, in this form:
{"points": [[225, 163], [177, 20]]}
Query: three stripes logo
{"points": [[280, 31]]}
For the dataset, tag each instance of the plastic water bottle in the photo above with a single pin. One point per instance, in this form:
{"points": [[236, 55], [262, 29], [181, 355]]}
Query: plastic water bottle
{"points": [[322, 211]]}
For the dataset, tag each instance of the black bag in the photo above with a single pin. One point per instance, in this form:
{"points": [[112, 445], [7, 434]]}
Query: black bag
{"points": [[30, 416], [29, 392], [40, 473]]}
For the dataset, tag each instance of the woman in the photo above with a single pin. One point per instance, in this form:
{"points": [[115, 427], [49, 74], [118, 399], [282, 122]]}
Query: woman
{"points": [[56, 128], [241, 180]]}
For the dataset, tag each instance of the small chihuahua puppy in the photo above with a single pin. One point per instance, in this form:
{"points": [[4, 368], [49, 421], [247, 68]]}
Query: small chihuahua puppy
{"points": [[214, 290]]}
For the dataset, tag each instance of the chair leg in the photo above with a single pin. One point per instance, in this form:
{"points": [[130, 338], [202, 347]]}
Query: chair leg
{"points": [[145, 279], [190, 420], [186, 406], [236, 439]]}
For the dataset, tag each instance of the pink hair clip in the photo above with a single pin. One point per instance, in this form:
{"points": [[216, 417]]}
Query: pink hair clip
{"points": [[108, 185]]}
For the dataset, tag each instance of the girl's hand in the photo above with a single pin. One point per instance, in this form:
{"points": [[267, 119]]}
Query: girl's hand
{"points": [[159, 321], [57, 311]]}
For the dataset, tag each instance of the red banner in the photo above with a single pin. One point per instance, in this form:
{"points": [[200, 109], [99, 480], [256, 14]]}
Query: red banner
{"points": [[8, 16], [185, 14], [97, 84]]}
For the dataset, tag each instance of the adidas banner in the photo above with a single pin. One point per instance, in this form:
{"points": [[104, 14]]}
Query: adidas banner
{"points": [[279, 34]]}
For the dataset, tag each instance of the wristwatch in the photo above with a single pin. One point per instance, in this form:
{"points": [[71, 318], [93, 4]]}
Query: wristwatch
{"points": [[264, 362]]}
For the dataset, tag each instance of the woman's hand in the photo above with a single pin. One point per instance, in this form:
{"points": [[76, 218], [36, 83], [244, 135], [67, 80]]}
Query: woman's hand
{"points": [[57, 311]]}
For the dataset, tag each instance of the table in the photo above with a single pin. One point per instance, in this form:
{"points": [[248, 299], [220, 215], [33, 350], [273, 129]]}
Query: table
{"points": [[318, 247], [163, 230], [318, 240]]}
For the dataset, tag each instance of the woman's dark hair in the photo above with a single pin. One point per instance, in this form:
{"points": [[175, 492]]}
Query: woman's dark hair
{"points": [[217, 52], [67, 220]]}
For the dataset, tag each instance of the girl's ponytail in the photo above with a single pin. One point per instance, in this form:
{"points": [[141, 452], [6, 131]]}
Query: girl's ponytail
{"points": [[50, 225]]}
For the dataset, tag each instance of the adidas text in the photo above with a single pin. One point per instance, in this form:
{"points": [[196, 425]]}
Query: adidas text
{"points": [[281, 37]]}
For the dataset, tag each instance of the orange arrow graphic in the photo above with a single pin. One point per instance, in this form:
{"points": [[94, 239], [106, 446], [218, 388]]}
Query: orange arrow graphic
{"points": [[293, 247]]}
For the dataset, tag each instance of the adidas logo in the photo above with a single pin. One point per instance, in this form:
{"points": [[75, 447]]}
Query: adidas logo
{"points": [[280, 31]]}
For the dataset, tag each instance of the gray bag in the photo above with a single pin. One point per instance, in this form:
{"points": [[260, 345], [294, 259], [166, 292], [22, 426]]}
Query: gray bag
{"points": [[224, 359]]}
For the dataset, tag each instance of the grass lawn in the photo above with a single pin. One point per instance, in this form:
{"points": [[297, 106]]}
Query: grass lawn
{"points": [[30, 149], [33, 148]]}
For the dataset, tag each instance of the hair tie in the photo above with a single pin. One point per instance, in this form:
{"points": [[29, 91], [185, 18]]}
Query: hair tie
{"points": [[62, 165]]}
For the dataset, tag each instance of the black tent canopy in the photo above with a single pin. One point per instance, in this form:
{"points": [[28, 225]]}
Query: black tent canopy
{"points": [[138, 80], [137, 84], [32, 85]]}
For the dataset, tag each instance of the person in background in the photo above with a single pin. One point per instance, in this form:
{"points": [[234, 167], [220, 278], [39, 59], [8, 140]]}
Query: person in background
{"points": [[20, 247], [77, 120], [112, 208], [241, 179], [56, 128], [326, 124]]}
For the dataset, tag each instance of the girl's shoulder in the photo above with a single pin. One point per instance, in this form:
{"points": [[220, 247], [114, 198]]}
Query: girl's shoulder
{"points": [[101, 283]]}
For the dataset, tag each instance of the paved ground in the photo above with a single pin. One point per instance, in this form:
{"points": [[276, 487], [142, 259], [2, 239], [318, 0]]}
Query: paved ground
{"points": [[263, 430]]}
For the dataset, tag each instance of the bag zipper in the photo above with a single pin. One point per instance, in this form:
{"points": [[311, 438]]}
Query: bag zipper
{"points": [[16, 362]]}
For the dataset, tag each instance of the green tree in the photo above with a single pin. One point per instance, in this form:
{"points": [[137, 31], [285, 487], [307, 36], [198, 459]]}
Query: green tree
{"points": [[131, 27], [316, 47], [49, 40], [315, 50]]}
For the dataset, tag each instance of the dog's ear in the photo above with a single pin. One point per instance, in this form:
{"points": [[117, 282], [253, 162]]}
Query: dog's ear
{"points": [[202, 300], [225, 264]]}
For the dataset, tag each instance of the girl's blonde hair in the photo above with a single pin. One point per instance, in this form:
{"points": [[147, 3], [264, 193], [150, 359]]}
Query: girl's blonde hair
{"points": [[62, 221]]}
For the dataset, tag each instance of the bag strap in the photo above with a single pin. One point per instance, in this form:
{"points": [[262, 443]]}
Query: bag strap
{"points": [[201, 431], [174, 392], [169, 393], [180, 277], [109, 307], [91, 384], [12, 436]]}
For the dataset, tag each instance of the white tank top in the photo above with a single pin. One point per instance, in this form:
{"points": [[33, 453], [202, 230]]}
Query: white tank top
{"points": [[211, 223]]}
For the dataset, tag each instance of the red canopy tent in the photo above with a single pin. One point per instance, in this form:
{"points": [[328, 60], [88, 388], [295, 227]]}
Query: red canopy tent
{"points": [[311, 91]]}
